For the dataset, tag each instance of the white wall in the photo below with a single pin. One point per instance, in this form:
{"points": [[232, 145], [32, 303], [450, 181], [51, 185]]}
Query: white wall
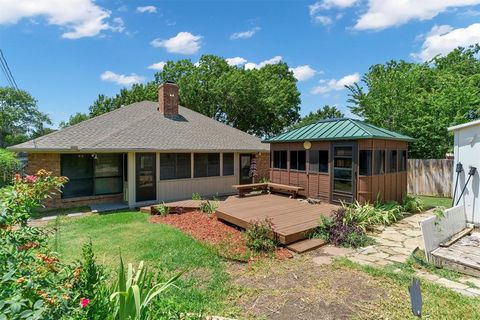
{"points": [[467, 151]]}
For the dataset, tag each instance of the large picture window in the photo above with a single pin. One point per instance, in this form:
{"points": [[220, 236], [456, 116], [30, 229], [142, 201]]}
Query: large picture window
{"points": [[206, 165], [91, 175], [298, 160], [280, 159], [318, 160], [365, 163], [228, 164], [392, 161], [175, 166], [379, 162]]}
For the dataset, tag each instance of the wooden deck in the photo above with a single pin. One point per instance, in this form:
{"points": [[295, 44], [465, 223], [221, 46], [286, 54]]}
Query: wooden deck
{"points": [[184, 204], [292, 219], [462, 256]]}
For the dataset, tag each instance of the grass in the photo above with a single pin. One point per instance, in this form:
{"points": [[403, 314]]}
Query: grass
{"points": [[438, 302], [432, 202], [40, 213], [164, 249]]}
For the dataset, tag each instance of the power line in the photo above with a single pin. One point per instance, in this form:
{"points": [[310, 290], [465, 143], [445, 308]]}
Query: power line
{"points": [[2, 66], [7, 71]]}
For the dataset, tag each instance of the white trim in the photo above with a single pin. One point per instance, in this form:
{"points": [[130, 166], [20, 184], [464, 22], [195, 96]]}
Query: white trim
{"points": [[464, 125]]}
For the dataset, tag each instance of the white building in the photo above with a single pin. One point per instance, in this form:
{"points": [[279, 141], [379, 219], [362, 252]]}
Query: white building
{"points": [[467, 152]]}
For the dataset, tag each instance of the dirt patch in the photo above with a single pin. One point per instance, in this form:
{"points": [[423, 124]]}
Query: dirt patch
{"points": [[300, 289], [228, 240]]}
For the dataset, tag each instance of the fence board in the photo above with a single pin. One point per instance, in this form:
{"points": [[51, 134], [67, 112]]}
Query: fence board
{"points": [[430, 177]]}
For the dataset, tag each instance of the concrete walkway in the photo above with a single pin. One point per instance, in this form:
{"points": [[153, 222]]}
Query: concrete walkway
{"points": [[394, 244]]}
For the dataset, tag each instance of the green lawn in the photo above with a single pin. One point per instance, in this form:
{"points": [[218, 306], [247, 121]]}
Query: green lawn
{"points": [[164, 249], [432, 202]]}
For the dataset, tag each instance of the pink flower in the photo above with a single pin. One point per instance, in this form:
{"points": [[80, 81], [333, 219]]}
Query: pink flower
{"points": [[30, 179], [84, 302]]}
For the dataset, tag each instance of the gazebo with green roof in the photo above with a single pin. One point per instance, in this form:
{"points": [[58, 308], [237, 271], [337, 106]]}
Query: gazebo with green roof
{"points": [[342, 160]]}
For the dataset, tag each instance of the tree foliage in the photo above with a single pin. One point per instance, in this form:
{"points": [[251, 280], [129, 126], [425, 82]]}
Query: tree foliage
{"points": [[19, 117], [327, 112], [8, 166], [74, 119], [260, 101], [422, 100]]}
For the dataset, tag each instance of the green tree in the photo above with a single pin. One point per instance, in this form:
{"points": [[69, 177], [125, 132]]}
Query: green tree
{"points": [[19, 116], [8, 166], [74, 119], [421, 99], [327, 112], [261, 102]]}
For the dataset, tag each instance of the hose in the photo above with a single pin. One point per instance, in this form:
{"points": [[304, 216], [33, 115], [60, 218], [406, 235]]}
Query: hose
{"points": [[458, 170], [471, 172]]}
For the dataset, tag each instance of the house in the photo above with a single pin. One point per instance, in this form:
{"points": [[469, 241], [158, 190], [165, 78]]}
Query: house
{"points": [[466, 149], [146, 152], [342, 160]]}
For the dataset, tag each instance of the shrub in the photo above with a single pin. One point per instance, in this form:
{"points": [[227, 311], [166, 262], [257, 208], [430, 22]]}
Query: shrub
{"points": [[413, 204], [162, 210], [8, 166], [369, 215], [196, 196], [209, 206], [260, 236], [341, 231]]}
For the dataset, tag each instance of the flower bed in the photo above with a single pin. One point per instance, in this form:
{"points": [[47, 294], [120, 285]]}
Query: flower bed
{"points": [[227, 240]]}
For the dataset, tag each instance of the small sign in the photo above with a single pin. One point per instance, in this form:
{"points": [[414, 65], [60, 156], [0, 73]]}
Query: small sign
{"points": [[416, 298], [307, 145]]}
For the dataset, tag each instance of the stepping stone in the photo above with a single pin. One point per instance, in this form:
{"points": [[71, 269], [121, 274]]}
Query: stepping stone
{"points": [[49, 218], [322, 260], [336, 251]]}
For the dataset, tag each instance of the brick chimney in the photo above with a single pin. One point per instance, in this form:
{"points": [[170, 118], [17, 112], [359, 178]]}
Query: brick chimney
{"points": [[168, 99]]}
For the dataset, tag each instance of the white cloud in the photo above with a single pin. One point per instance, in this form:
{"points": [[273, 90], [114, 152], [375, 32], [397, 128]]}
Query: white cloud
{"points": [[274, 60], [336, 85], [329, 4], [323, 20], [183, 43], [236, 61], [79, 18], [303, 73], [157, 66], [443, 39], [147, 9], [244, 34], [382, 14], [121, 79]]}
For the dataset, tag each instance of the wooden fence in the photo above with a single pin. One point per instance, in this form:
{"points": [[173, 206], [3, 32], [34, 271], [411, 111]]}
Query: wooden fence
{"points": [[430, 177]]}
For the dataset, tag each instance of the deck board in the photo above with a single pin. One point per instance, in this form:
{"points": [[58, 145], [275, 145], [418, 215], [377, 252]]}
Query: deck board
{"points": [[291, 218]]}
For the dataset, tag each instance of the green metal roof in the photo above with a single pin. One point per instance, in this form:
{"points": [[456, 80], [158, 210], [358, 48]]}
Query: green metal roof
{"points": [[338, 129]]}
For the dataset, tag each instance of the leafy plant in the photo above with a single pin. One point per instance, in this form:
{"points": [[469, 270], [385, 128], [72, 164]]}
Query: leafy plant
{"points": [[260, 236], [412, 204], [8, 166], [368, 215], [135, 292], [196, 196], [162, 209], [209, 206]]}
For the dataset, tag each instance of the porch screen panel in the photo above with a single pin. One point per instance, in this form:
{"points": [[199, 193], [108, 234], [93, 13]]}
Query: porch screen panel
{"points": [[228, 164], [78, 168], [108, 174], [175, 166], [206, 165]]}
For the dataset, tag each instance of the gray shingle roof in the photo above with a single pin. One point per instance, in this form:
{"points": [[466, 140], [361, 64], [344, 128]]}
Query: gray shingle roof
{"points": [[141, 127]]}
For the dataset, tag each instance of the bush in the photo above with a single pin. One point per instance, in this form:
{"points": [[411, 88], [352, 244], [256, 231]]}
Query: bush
{"points": [[162, 210], [413, 204], [196, 196], [368, 215], [341, 231], [260, 236], [209, 206], [9, 165]]}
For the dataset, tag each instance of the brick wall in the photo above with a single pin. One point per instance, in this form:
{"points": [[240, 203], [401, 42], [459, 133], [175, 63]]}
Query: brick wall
{"points": [[263, 165], [51, 162]]}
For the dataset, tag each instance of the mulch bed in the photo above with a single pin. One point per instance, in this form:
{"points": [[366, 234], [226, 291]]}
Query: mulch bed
{"points": [[209, 230]]}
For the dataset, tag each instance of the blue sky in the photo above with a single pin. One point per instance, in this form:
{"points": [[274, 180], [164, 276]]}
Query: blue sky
{"points": [[67, 52]]}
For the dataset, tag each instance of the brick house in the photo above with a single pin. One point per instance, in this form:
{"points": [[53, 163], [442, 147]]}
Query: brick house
{"points": [[146, 152]]}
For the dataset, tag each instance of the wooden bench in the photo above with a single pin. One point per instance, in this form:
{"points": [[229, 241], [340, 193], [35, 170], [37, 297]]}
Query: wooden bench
{"points": [[243, 189]]}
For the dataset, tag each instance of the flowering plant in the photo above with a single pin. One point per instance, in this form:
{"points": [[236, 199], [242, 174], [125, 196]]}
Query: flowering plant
{"points": [[26, 194]]}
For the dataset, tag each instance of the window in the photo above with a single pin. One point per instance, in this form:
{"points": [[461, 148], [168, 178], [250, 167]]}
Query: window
{"points": [[280, 159], [89, 175], [392, 161], [379, 162], [365, 163], [318, 161], [228, 164], [298, 160], [403, 160], [175, 166], [206, 165]]}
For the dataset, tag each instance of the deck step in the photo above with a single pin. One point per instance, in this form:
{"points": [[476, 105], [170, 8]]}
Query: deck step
{"points": [[145, 209], [306, 245]]}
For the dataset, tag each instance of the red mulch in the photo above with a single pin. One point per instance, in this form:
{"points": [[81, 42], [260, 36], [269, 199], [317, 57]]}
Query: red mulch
{"points": [[208, 229]]}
